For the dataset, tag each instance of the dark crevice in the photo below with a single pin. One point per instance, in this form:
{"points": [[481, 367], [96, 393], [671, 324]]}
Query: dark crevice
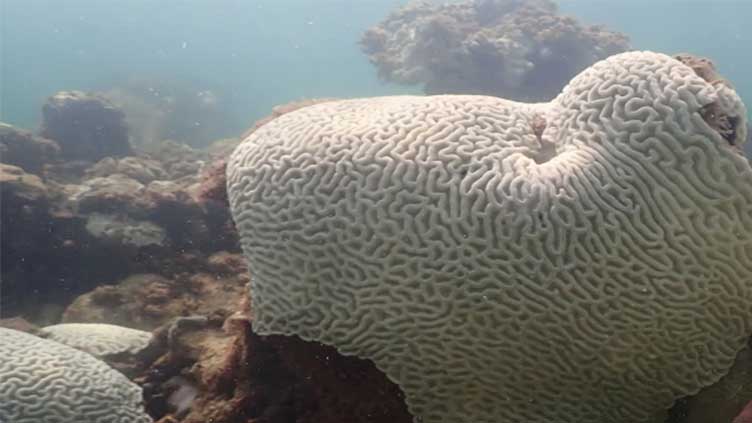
{"points": [[547, 149], [726, 126]]}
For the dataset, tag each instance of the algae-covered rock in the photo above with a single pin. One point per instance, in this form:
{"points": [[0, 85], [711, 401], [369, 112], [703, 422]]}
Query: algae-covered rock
{"points": [[20, 187], [86, 126], [26, 150], [519, 50], [147, 301]]}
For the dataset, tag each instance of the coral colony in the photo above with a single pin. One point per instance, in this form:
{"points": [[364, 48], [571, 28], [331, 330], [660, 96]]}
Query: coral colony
{"points": [[499, 270]]}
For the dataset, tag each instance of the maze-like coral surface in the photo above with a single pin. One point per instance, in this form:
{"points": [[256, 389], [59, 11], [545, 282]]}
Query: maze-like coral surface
{"points": [[587, 260], [98, 339], [43, 381]]}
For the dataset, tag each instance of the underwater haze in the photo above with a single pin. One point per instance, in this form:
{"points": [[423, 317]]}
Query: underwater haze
{"points": [[257, 54], [253, 54], [375, 211]]}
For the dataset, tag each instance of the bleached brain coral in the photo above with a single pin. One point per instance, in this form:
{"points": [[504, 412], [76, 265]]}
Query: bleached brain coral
{"points": [[98, 339], [587, 260], [43, 381]]}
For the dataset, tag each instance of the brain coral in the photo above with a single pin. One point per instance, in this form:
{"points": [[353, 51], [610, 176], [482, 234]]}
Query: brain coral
{"points": [[586, 260], [43, 381], [98, 339]]}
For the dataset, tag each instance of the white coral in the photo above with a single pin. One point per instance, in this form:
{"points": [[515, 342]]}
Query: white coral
{"points": [[43, 381], [592, 271], [98, 339]]}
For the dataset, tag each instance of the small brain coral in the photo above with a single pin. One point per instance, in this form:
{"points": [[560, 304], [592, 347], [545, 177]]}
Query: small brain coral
{"points": [[98, 339], [43, 381], [516, 49], [587, 260]]}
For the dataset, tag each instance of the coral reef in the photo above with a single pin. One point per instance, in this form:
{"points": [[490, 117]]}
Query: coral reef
{"points": [[142, 169], [124, 231], [186, 372], [146, 241], [21, 191], [237, 376], [180, 161], [25, 150], [86, 126], [146, 301], [519, 50], [45, 381], [97, 339], [80, 224], [25, 204], [80, 227], [214, 187], [507, 261]]}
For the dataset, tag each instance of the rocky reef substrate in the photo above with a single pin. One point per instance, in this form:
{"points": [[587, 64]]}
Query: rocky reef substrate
{"points": [[142, 238], [519, 50]]}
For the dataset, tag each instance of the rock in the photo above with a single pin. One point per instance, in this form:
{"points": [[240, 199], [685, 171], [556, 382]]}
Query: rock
{"points": [[21, 188], [112, 194], [67, 172], [142, 169], [181, 209], [223, 147], [225, 263], [179, 160], [519, 50], [125, 231], [24, 203], [86, 126], [213, 185], [25, 150], [233, 375], [78, 225], [33, 250], [140, 301], [195, 216], [147, 301], [20, 324]]}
